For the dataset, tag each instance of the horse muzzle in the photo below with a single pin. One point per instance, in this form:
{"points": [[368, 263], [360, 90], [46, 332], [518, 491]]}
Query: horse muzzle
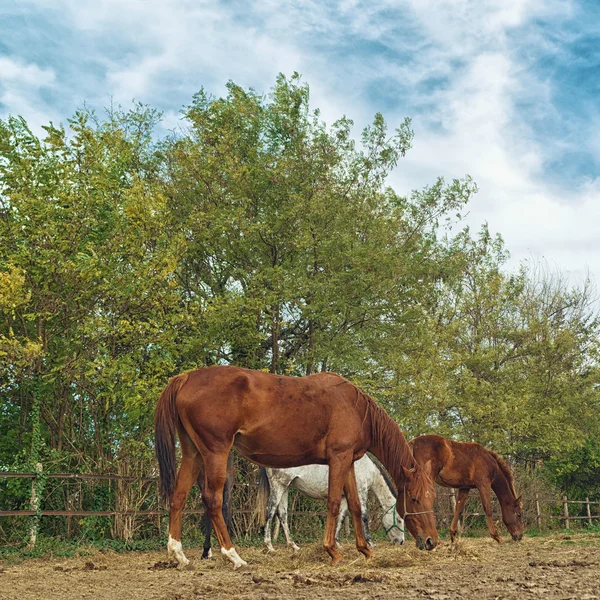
{"points": [[427, 544]]}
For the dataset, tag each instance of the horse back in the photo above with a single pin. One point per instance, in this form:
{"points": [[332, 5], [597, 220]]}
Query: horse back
{"points": [[455, 464], [274, 420]]}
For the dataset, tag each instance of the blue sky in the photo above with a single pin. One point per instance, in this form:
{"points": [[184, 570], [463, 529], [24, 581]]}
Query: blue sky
{"points": [[504, 90]]}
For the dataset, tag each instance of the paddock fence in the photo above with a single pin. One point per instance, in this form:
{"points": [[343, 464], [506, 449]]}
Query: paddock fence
{"points": [[127, 507]]}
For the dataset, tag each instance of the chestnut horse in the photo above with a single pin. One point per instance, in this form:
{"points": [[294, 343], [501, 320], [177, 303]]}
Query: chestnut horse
{"points": [[278, 421], [468, 465]]}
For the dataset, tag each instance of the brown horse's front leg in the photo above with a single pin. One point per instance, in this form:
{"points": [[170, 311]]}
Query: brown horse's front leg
{"points": [[338, 467], [484, 492], [354, 506], [460, 506], [215, 471]]}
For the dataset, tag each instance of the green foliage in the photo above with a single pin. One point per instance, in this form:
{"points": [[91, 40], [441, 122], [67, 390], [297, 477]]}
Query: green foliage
{"points": [[578, 471]]}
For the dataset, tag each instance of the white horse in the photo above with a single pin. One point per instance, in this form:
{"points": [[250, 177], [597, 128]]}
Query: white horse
{"points": [[312, 480]]}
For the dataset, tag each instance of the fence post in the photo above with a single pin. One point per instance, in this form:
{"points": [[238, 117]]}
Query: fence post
{"points": [[452, 495], [538, 511], [589, 512], [566, 512], [35, 505]]}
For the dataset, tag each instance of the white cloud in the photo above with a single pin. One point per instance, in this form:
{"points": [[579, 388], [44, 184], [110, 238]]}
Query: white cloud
{"points": [[18, 73], [20, 86]]}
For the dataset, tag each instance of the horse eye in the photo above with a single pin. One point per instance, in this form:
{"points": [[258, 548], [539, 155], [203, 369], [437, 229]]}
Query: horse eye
{"points": [[416, 500]]}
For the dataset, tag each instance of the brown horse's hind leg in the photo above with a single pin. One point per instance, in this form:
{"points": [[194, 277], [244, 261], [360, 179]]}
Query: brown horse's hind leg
{"points": [[338, 468], [215, 473], [484, 492], [354, 506], [460, 506], [191, 465]]}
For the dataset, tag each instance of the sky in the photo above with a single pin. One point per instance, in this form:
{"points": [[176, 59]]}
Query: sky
{"points": [[506, 91]]}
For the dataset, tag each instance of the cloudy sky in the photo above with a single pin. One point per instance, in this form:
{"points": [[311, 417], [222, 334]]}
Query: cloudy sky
{"points": [[507, 91]]}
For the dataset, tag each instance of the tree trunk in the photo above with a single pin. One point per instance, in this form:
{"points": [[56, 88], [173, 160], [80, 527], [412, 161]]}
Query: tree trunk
{"points": [[275, 339]]}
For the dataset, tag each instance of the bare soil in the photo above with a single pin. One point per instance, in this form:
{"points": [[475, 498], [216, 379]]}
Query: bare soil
{"points": [[560, 566]]}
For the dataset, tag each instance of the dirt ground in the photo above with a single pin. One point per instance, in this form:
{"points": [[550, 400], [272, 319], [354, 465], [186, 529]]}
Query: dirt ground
{"points": [[561, 566]]}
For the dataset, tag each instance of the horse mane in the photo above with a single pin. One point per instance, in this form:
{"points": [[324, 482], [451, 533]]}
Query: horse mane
{"points": [[503, 465], [387, 440]]}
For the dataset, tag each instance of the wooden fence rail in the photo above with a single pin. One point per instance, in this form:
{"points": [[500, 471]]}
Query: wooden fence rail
{"points": [[540, 504]]}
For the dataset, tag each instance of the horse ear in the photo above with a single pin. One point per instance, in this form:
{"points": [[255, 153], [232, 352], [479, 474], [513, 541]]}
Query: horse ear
{"points": [[408, 473], [428, 466], [519, 500]]}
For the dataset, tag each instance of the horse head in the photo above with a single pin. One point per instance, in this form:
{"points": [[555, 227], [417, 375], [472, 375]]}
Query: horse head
{"points": [[512, 515], [415, 504]]}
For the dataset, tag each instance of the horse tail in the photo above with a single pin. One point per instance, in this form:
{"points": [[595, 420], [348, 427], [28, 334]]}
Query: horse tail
{"points": [[166, 420], [262, 498], [503, 466]]}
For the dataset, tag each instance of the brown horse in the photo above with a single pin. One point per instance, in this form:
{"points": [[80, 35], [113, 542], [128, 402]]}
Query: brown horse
{"points": [[278, 421], [467, 465]]}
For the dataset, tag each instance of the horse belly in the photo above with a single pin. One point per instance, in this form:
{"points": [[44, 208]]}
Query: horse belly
{"points": [[279, 452], [450, 479], [314, 483]]}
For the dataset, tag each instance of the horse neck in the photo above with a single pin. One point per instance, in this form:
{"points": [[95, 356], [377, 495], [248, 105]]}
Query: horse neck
{"points": [[502, 488], [388, 444]]}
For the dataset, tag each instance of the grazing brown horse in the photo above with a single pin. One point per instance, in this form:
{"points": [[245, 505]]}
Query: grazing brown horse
{"points": [[467, 465], [278, 421]]}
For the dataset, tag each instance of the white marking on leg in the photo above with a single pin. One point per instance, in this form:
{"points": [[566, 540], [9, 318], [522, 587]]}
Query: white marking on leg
{"points": [[233, 556], [174, 547], [210, 553]]}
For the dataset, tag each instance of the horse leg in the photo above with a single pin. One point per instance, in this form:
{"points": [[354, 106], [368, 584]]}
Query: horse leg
{"points": [[363, 496], [484, 492], [207, 550], [228, 492], [340, 521], [351, 491], [460, 506], [276, 495], [215, 474], [276, 528], [338, 467], [191, 465], [282, 511]]}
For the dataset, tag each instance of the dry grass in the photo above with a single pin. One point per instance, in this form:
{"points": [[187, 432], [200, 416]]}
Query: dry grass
{"points": [[554, 567]]}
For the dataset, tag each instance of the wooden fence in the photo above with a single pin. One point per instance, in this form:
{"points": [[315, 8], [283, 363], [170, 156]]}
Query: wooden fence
{"points": [[539, 511]]}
